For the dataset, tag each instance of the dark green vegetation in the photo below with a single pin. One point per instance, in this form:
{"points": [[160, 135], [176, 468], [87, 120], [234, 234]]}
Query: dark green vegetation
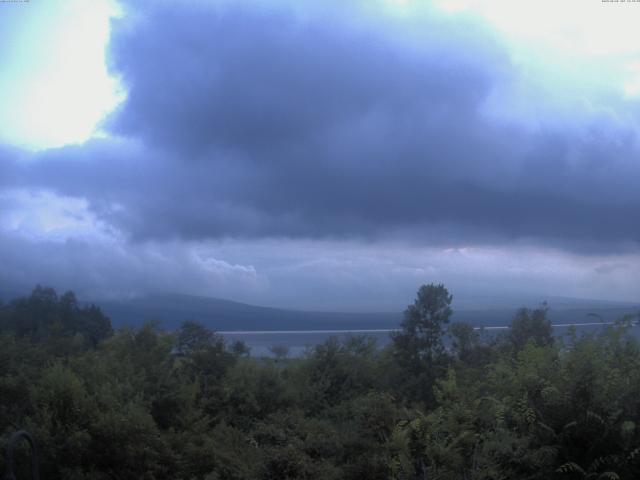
{"points": [[144, 403]]}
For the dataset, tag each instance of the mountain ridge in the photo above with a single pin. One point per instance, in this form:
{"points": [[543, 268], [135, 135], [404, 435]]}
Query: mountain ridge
{"points": [[221, 314]]}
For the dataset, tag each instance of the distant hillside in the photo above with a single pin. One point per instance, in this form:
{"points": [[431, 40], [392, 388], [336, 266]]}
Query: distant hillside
{"points": [[224, 315], [217, 314]]}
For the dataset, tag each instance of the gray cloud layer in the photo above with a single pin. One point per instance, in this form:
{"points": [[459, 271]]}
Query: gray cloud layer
{"points": [[243, 121]]}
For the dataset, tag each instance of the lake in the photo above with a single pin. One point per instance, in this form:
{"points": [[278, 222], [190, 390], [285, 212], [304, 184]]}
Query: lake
{"points": [[299, 341]]}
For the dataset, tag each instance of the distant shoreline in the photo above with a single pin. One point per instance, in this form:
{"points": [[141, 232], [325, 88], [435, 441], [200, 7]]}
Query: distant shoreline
{"points": [[386, 330]]}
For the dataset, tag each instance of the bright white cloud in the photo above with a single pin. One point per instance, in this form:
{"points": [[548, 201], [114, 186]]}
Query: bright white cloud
{"points": [[54, 84], [575, 58], [586, 27], [43, 215]]}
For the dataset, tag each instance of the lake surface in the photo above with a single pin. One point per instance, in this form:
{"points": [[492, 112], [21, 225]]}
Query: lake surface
{"points": [[299, 341]]}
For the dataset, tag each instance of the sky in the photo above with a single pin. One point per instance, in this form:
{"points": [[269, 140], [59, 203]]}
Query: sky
{"points": [[321, 154]]}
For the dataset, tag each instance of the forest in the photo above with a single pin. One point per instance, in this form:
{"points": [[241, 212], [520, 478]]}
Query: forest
{"points": [[442, 401]]}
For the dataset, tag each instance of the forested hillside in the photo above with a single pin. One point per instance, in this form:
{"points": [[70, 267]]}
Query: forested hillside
{"points": [[153, 404]]}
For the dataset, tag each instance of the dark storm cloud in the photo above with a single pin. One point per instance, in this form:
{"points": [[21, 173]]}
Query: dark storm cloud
{"points": [[248, 122], [273, 86]]}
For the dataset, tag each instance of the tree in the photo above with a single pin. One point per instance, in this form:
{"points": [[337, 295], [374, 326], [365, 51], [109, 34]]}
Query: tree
{"points": [[240, 348], [422, 327], [43, 315], [194, 337], [418, 347], [204, 358], [531, 325], [463, 339], [280, 352]]}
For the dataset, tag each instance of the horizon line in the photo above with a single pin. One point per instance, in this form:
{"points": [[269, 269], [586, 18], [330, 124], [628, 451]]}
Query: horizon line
{"points": [[387, 330]]}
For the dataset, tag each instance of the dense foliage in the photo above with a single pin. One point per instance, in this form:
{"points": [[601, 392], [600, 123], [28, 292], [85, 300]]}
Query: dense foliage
{"points": [[442, 401]]}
